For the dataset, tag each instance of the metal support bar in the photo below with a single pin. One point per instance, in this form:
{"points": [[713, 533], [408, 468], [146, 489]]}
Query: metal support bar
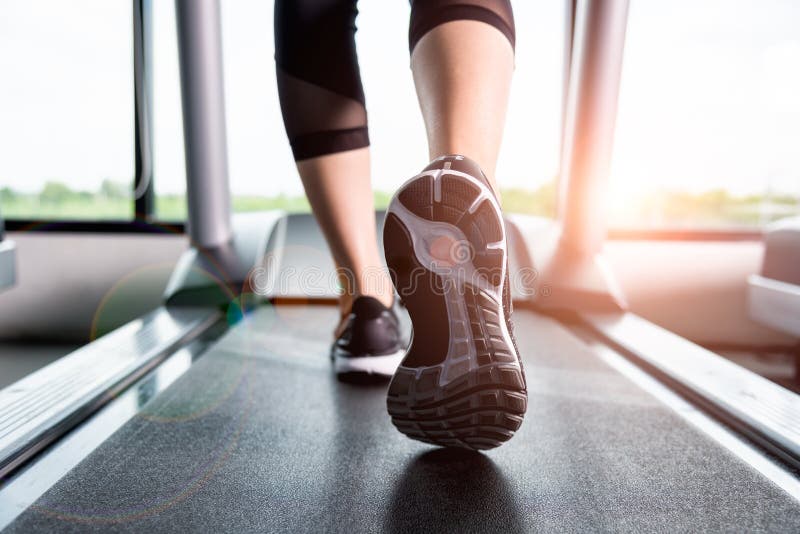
{"points": [[590, 117], [571, 272], [202, 91], [569, 39]]}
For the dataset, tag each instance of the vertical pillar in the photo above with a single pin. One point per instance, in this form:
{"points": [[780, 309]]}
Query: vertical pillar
{"points": [[203, 98], [589, 122]]}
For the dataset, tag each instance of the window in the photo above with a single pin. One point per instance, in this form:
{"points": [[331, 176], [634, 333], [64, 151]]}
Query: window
{"points": [[262, 172], [706, 134], [169, 168], [66, 102], [709, 115]]}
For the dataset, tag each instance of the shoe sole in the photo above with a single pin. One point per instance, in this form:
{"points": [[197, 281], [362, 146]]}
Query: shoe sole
{"points": [[476, 397], [384, 365]]}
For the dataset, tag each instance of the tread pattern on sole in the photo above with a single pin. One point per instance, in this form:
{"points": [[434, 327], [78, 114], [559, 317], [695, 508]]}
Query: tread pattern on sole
{"points": [[481, 401], [481, 410]]}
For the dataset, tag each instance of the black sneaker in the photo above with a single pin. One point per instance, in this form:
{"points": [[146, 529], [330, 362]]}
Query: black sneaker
{"points": [[371, 342], [461, 383]]}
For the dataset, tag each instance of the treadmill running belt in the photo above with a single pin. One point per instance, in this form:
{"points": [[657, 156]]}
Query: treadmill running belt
{"points": [[260, 436]]}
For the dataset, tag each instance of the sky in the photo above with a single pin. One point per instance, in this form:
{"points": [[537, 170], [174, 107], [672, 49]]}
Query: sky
{"points": [[708, 97]]}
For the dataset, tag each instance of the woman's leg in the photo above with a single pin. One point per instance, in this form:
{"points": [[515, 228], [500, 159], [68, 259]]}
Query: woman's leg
{"points": [[445, 239], [339, 190], [323, 108], [462, 72]]}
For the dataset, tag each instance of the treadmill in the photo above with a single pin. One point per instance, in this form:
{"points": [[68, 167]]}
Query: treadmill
{"points": [[220, 411]]}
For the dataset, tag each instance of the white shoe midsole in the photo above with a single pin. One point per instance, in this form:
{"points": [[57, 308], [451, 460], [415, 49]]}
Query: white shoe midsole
{"points": [[379, 365]]}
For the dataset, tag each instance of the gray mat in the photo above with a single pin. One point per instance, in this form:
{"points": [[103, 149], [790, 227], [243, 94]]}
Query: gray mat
{"points": [[259, 436]]}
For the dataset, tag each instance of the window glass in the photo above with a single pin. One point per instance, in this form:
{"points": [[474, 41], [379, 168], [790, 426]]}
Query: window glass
{"points": [[169, 168], [262, 172], [528, 166], [709, 115], [66, 109]]}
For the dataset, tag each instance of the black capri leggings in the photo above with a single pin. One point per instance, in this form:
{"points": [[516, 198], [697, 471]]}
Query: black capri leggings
{"points": [[319, 83]]}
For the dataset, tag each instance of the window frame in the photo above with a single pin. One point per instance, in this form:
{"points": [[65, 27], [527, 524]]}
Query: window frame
{"points": [[143, 187]]}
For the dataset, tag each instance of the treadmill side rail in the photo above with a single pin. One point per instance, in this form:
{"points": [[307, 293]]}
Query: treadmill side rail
{"points": [[770, 413], [42, 406]]}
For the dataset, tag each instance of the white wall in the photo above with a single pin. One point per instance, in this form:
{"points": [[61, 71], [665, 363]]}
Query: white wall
{"points": [[69, 285], [694, 288]]}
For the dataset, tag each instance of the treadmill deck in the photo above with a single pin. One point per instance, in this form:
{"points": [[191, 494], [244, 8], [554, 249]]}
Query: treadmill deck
{"points": [[259, 436]]}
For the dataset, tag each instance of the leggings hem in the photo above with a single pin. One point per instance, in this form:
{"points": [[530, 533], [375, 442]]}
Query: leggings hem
{"points": [[317, 144], [420, 26]]}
